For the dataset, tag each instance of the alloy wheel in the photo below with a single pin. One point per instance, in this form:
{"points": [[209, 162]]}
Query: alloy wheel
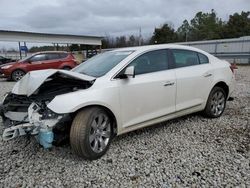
{"points": [[100, 133], [17, 75], [218, 103]]}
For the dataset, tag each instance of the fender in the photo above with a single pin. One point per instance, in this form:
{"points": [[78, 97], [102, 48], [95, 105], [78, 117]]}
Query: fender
{"points": [[71, 102], [65, 64], [218, 80]]}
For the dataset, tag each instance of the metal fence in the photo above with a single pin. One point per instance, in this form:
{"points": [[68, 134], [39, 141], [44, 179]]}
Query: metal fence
{"points": [[236, 50]]}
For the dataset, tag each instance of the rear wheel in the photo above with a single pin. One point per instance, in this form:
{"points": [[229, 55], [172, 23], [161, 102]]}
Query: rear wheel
{"points": [[216, 103], [91, 133], [17, 75]]}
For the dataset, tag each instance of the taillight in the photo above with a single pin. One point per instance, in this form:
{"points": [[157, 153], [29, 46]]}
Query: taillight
{"points": [[233, 67]]}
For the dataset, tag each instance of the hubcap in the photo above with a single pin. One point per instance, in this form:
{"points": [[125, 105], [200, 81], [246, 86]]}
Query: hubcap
{"points": [[100, 133], [218, 103], [18, 75]]}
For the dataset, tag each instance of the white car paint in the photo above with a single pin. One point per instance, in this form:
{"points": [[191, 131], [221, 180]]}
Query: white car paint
{"points": [[143, 100], [145, 97], [34, 79], [193, 85]]}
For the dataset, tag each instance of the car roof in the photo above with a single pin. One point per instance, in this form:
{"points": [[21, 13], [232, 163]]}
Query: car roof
{"points": [[49, 52], [159, 46]]}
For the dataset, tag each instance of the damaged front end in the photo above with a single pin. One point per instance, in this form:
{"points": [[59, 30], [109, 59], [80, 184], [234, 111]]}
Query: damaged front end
{"points": [[24, 111], [38, 120]]}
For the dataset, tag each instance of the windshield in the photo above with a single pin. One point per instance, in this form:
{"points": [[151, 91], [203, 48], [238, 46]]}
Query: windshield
{"points": [[100, 64]]}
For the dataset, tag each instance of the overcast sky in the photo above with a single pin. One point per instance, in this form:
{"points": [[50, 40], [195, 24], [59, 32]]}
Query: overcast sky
{"points": [[107, 17]]}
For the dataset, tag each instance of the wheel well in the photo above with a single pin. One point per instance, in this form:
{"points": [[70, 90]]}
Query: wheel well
{"points": [[66, 66], [16, 70], [224, 86], [110, 113]]}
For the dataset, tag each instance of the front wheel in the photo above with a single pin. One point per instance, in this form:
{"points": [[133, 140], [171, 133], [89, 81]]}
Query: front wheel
{"points": [[216, 103], [91, 133], [17, 75]]}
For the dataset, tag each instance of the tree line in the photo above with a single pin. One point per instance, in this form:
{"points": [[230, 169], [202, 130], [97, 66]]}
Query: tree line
{"points": [[204, 26]]}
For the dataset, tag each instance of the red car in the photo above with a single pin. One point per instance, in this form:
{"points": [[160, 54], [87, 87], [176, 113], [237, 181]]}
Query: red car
{"points": [[38, 61]]}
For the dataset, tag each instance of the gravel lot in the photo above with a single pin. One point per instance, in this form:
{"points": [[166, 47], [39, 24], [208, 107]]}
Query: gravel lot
{"points": [[189, 151]]}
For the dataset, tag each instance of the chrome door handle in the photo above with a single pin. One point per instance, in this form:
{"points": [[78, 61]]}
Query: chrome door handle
{"points": [[207, 75], [169, 84]]}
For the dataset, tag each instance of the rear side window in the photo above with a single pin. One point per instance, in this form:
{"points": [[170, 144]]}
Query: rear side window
{"points": [[151, 62], [63, 55], [38, 57], [52, 56], [185, 58], [203, 59]]}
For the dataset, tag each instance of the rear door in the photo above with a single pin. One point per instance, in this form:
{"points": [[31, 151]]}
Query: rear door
{"points": [[151, 93], [193, 77], [54, 60]]}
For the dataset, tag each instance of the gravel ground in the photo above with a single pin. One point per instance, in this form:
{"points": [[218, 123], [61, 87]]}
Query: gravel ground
{"points": [[189, 151]]}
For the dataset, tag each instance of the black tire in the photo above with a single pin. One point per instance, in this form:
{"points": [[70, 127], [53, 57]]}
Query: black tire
{"points": [[216, 103], [16, 75], [83, 131]]}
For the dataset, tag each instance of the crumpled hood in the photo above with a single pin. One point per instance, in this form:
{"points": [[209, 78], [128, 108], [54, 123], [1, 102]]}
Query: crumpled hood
{"points": [[34, 79]]}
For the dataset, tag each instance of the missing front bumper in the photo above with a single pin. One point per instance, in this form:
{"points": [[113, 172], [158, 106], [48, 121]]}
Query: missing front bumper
{"points": [[18, 130], [37, 124], [45, 137]]}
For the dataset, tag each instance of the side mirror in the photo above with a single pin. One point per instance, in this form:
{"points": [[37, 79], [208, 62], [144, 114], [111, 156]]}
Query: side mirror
{"points": [[129, 71]]}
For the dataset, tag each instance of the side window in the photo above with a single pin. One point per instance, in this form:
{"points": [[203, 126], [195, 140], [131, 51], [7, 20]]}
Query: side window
{"points": [[63, 55], [150, 62], [185, 58], [52, 56], [39, 57], [203, 58]]}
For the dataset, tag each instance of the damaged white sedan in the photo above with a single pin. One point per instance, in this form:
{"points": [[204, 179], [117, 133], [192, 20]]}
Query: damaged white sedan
{"points": [[114, 93]]}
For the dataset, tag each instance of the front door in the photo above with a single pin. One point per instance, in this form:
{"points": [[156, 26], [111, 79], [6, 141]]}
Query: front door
{"points": [[151, 93], [37, 62]]}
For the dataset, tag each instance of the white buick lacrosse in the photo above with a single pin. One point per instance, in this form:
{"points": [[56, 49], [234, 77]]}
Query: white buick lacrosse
{"points": [[114, 93]]}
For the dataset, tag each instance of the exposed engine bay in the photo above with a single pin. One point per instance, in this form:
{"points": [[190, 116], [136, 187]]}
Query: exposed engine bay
{"points": [[28, 114]]}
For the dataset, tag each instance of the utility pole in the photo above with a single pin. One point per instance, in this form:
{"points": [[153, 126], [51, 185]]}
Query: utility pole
{"points": [[140, 36]]}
